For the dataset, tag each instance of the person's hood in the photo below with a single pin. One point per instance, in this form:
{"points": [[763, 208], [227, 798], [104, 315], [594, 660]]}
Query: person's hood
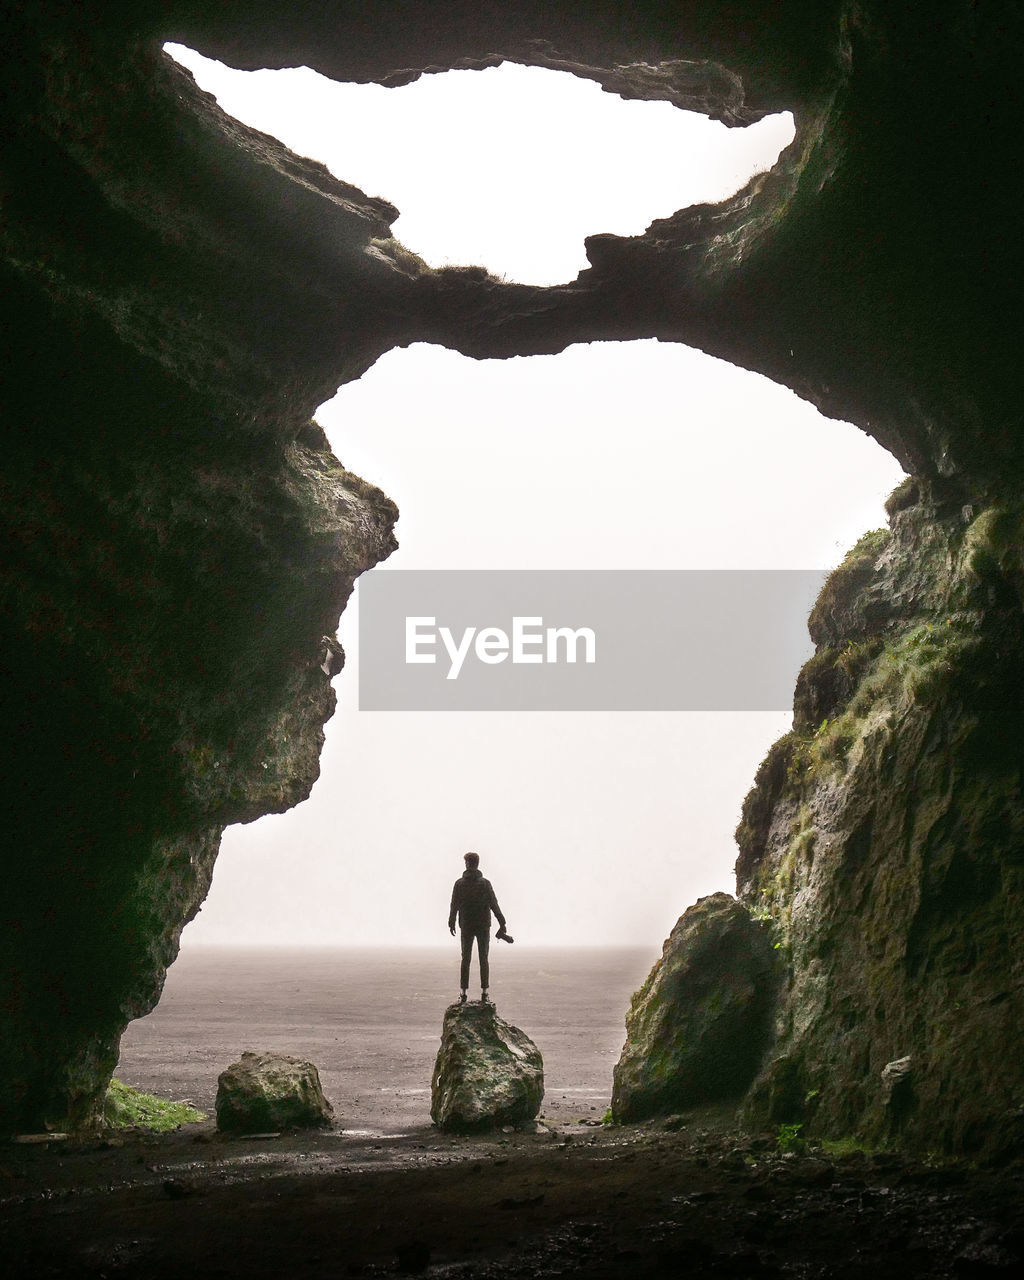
{"points": [[472, 873]]}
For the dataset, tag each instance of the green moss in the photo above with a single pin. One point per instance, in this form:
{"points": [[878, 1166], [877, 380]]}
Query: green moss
{"points": [[471, 271], [868, 547], [774, 772], [789, 1139], [836, 611], [836, 1147], [411, 263], [906, 494], [775, 900], [641, 995], [129, 1108], [911, 667], [857, 656]]}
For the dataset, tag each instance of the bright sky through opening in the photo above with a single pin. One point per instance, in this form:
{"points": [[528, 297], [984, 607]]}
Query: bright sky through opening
{"points": [[508, 168], [596, 828]]}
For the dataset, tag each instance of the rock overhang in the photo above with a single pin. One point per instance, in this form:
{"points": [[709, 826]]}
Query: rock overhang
{"points": [[857, 232]]}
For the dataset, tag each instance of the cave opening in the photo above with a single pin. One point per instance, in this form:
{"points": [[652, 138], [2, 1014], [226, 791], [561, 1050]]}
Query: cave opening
{"points": [[598, 828], [588, 459], [507, 167], [182, 537]]}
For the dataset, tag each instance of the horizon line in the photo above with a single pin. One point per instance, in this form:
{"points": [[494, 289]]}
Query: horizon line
{"points": [[403, 946]]}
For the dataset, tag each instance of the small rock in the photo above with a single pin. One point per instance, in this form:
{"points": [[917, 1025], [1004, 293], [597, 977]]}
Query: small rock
{"points": [[265, 1092], [898, 1088]]}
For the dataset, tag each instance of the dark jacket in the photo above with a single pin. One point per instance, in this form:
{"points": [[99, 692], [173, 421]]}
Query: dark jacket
{"points": [[473, 901]]}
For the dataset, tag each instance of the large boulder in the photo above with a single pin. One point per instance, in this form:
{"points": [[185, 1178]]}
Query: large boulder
{"points": [[697, 1028], [264, 1092], [488, 1073]]}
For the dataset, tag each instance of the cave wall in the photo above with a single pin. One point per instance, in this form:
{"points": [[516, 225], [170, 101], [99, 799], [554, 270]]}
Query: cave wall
{"points": [[179, 538], [883, 844], [181, 294]]}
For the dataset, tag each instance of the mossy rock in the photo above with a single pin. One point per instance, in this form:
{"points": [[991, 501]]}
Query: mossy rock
{"points": [[698, 1027], [271, 1091]]}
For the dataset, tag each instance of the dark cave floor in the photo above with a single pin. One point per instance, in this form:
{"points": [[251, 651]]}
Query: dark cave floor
{"points": [[567, 1200]]}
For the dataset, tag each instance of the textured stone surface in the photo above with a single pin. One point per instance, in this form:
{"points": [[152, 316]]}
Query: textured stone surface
{"points": [[178, 537], [698, 1027], [488, 1073], [267, 1092], [886, 843]]}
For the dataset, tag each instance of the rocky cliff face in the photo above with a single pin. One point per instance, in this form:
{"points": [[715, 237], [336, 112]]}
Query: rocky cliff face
{"points": [[181, 293], [180, 539], [884, 841], [882, 854]]}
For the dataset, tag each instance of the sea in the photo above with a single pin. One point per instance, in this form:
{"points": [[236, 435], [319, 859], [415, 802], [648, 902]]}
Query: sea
{"points": [[370, 1019]]}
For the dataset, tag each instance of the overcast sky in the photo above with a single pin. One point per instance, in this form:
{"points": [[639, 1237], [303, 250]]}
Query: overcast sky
{"points": [[594, 827]]}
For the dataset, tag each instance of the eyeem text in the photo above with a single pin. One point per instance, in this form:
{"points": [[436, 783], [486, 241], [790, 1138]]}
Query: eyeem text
{"points": [[530, 642]]}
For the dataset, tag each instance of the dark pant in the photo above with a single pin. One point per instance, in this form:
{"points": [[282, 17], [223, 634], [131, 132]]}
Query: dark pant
{"points": [[483, 943]]}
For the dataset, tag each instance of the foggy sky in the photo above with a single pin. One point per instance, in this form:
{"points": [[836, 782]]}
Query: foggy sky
{"points": [[594, 827]]}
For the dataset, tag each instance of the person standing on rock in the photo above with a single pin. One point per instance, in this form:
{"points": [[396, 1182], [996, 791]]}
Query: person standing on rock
{"points": [[473, 901]]}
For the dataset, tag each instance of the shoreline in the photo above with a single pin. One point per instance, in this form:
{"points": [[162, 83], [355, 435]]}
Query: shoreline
{"points": [[371, 1024]]}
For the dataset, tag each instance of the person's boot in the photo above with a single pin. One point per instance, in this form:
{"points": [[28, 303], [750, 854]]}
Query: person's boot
{"points": [[484, 998], [462, 998]]}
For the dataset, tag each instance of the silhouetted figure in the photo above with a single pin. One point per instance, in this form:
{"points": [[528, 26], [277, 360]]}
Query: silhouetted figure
{"points": [[473, 901]]}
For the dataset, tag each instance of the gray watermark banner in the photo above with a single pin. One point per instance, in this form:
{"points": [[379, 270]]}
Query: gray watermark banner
{"points": [[583, 640]]}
